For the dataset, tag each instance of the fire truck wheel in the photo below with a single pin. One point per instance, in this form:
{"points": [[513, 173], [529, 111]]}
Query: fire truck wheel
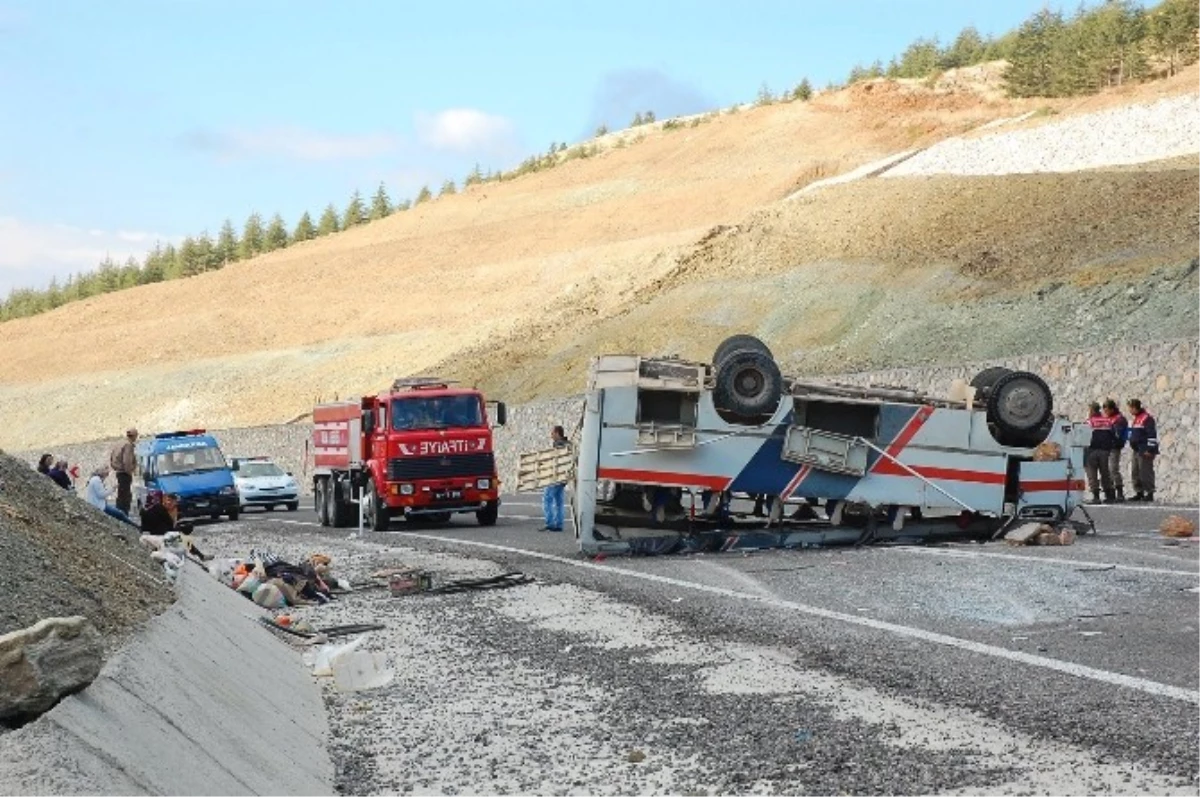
{"points": [[1019, 403], [748, 387], [339, 510], [377, 512], [319, 503], [487, 516], [736, 343], [985, 379]]}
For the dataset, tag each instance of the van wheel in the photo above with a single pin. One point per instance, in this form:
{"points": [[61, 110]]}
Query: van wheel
{"points": [[739, 343], [1019, 403], [748, 387], [293, 506]]}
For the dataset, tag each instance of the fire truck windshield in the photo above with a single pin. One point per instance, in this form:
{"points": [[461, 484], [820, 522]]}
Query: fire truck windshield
{"points": [[440, 412]]}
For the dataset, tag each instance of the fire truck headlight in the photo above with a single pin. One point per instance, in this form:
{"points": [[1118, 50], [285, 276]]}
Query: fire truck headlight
{"points": [[406, 489], [484, 484]]}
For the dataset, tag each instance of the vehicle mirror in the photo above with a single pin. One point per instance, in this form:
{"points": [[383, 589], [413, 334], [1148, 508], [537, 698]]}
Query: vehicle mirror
{"points": [[368, 421], [235, 466], [290, 473], [501, 413]]}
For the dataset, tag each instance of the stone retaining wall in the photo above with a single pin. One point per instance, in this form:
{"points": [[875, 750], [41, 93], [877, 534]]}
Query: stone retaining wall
{"points": [[1163, 375]]}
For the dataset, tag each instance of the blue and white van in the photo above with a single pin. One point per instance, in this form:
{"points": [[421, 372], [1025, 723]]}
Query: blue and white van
{"points": [[190, 465]]}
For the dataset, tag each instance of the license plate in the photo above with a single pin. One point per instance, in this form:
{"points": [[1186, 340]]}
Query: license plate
{"points": [[201, 504], [447, 495]]}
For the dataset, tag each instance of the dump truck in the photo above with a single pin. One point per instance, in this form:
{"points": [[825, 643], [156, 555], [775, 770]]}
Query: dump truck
{"points": [[419, 450], [673, 454]]}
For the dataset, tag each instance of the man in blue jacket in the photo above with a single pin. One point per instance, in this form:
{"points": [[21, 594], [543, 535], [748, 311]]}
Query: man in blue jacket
{"points": [[1143, 440]]}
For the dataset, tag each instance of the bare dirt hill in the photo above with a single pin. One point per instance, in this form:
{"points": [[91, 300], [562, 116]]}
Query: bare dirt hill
{"points": [[670, 241]]}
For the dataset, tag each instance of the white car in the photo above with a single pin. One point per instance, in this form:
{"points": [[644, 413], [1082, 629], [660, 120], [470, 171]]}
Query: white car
{"points": [[260, 482]]}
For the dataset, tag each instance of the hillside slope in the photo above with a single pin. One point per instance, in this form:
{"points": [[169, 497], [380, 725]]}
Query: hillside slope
{"points": [[666, 244]]}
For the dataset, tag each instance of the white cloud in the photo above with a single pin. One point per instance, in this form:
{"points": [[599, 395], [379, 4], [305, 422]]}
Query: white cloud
{"points": [[467, 131], [291, 142], [31, 254]]}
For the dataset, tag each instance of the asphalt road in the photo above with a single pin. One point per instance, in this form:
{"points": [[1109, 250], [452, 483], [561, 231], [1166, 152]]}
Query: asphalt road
{"points": [[1092, 649]]}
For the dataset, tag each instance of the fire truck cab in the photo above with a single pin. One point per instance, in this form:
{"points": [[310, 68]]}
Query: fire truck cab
{"points": [[672, 453], [422, 449]]}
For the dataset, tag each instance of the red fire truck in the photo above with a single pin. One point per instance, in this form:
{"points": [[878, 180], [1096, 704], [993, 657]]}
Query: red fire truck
{"points": [[422, 449]]}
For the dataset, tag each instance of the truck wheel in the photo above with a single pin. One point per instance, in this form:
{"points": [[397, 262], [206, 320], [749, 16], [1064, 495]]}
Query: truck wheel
{"points": [[487, 516], [376, 511], [739, 343], [339, 510], [985, 379], [1019, 403], [319, 502], [748, 387]]}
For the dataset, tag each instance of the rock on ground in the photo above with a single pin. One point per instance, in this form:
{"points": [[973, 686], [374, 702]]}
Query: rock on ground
{"points": [[41, 664]]}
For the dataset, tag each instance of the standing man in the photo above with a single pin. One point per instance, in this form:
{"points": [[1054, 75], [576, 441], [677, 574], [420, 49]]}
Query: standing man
{"points": [[552, 496], [1120, 429], [1096, 463], [1143, 440], [123, 463]]}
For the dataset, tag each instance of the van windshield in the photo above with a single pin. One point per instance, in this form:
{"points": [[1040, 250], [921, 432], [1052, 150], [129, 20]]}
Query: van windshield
{"points": [[441, 412], [189, 460]]}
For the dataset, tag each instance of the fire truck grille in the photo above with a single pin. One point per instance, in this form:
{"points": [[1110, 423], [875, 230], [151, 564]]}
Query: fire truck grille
{"points": [[443, 467]]}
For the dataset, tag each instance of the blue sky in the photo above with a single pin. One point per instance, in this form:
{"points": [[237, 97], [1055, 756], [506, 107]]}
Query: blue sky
{"points": [[126, 121]]}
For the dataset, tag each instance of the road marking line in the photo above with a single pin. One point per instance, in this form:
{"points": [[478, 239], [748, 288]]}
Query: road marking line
{"points": [[1143, 507], [1045, 662], [1048, 560]]}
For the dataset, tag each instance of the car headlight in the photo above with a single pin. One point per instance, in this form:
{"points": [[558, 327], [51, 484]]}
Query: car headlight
{"points": [[406, 489], [484, 484], [605, 490], [229, 490]]}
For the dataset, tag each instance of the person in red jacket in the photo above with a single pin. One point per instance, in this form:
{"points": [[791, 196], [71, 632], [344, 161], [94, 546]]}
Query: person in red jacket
{"points": [[1096, 463], [1143, 439], [1120, 428]]}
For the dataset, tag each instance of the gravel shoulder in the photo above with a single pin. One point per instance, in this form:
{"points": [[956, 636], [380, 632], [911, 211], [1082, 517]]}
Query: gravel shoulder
{"points": [[560, 687]]}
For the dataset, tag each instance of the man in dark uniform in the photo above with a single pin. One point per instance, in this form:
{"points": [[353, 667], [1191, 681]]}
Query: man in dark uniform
{"points": [[1120, 428], [1096, 463], [1143, 439]]}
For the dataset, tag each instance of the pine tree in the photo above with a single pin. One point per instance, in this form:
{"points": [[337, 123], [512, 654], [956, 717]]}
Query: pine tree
{"points": [[276, 236], [189, 258], [920, 59], [152, 266], [765, 97], [602, 130], [329, 223], [648, 117], [226, 250], [304, 229], [355, 213], [206, 253], [1171, 29], [803, 90], [1032, 67], [252, 237], [424, 195], [381, 203], [857, 73], [967, 49], [403, 204], [475, 177], [637, 120], [448, 188]]}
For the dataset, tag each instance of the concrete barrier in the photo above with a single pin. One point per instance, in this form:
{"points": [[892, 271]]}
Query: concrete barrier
{"points": [[203, 700]]}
